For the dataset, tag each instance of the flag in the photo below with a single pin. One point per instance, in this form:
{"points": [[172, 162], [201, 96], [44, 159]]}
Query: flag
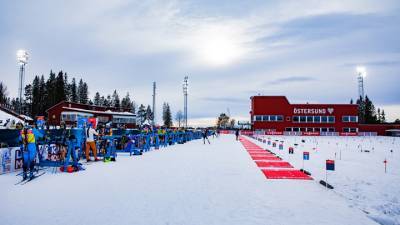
{"points": [[330, 165]]}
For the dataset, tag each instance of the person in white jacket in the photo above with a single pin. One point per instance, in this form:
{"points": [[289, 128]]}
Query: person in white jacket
{"points": [[90, 143]]}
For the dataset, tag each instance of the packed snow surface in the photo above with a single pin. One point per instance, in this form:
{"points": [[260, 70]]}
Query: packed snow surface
{"points": [[359, 175], [190, 184]]}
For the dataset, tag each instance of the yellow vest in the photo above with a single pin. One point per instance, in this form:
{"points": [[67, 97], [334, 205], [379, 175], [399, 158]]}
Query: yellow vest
{"points": [[30, 138]]}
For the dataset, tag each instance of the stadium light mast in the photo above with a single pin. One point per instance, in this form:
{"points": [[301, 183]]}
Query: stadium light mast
{"points": [[154, 104], [185, 95], [22, 58], [361, 73]]}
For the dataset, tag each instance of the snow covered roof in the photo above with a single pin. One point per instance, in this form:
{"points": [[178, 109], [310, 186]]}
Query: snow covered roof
{"points": [[4, 116], [26, 117], [108, 112]]}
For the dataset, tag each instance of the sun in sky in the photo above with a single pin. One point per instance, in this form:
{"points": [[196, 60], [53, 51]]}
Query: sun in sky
{"points": [[218, 46]]}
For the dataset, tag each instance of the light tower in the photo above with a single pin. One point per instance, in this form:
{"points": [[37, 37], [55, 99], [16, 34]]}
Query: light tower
{"points": [[185, 94], [22, 58], [154, 104], [361, 73]]}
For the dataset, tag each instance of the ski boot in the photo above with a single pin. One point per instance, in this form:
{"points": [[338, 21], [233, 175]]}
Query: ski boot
{"points": [[107, 159]]}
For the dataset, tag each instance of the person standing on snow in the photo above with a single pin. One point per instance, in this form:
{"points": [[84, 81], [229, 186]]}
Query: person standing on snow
{"points": [[205, 136], [28, 139], [237, 135], [90, 143]]}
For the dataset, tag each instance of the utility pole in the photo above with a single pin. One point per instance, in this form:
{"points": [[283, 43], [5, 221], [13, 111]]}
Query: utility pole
{"points": [[185, 96]]}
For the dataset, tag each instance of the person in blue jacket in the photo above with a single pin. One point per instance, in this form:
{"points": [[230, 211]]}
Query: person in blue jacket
{"points": [[28, 137]]}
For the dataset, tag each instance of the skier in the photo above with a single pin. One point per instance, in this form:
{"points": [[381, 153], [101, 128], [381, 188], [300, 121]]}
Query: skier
{"points": [[110, 145], [237, 135], [90, 143], [205, 136], [28, 139], [69, 142]]}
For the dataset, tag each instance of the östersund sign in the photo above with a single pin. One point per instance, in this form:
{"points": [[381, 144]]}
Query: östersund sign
{"points": [[312, 111]]}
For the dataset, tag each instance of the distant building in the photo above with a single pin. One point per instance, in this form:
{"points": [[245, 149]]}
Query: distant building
{"points": [[69, 112], [277, 114]]}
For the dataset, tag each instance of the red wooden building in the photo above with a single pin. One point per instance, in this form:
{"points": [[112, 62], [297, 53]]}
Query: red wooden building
{"points": [[69, 113]]}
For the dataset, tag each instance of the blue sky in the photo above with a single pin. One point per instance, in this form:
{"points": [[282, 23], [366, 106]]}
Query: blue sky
{"points": [[306, 50]]}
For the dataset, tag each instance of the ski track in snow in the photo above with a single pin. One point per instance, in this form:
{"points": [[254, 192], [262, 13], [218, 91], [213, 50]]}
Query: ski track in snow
{"points": [[190, 184]]}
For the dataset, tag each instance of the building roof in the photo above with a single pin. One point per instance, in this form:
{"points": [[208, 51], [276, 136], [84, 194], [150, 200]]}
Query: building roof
{"points": [[108, 112], [297, 104]]}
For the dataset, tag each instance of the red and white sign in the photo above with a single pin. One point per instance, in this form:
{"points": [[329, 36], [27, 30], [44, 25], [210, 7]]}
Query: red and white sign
{"points": [[273, 133]]}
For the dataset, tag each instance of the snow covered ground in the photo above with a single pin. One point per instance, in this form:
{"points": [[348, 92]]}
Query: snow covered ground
{"points": [[191, 184], [360, 176]]}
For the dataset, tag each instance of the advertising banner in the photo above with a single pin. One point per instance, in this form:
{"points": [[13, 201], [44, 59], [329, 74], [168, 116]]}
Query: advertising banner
{"points": [[273, 133], [10, 159]]}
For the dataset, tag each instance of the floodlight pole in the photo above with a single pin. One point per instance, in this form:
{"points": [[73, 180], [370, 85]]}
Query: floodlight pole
{"points": [[21, 78], [185, 102], [154, 104], [22, 58], [360, 77]]}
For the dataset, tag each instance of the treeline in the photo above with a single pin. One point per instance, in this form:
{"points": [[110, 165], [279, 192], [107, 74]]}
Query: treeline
{"points": [[42, 93], [367, 113], [224, 121]]}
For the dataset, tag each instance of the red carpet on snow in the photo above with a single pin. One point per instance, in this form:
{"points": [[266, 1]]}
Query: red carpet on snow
{"points": [[285, 174], [272, 166], [275, 164], [266, 158]]}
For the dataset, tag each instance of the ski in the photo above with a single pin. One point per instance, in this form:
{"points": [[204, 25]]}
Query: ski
{"points": [[23, 182]]}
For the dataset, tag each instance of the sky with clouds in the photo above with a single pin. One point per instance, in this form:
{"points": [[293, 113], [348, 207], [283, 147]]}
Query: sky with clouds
{"points": [[231, 50]]}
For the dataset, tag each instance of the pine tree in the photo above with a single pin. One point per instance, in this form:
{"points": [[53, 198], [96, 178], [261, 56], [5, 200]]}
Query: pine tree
{"points": [[42, 97], [149, 113], [59, 88], [74, 91], [28, 100], [361, 110], [3, 93], [35, 96], [102, 101], [141, 114], [67, 88], [82, 92], [115, 100], [369, 111], [85, 94], [108, 101], [126, 102], [167, 117], [351, 101], [50, 91], [97, 99]]}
